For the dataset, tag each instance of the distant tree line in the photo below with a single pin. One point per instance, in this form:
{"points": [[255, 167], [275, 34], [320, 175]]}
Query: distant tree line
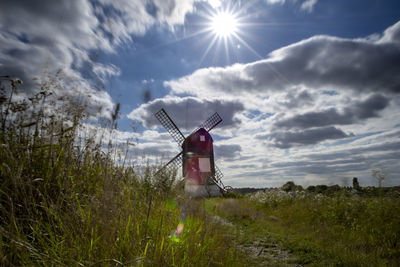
{"points": [[290, 186]]}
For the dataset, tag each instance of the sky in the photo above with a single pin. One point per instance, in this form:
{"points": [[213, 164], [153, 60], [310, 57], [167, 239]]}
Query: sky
{"points": [[308, 90]]}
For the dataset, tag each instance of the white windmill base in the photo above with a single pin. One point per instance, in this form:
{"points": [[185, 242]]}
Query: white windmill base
{"points": [[199, 191]]}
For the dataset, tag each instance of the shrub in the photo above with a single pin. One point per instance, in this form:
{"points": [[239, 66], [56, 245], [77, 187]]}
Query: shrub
{"points": [[232, 195], [311, 189], [291, 187], [331, 190], [320, 189]]}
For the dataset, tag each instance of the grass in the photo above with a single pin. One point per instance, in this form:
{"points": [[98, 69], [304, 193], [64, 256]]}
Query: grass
{"points": [[319, 230], [65, 202]]}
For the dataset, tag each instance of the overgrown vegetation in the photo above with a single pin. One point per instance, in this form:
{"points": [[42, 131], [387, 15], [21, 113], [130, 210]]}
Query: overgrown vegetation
{"points": [[64, 200], [338, 227]]}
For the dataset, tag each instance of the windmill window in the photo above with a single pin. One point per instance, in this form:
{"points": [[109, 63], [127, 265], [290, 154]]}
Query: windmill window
{"points": [[202, 138], [204, 165]]}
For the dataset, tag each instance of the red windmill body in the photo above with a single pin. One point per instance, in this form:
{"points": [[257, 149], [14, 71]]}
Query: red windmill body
{"points": [[198, 157]]}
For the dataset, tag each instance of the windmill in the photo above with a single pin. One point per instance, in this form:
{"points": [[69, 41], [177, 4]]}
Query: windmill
{"points": [[202, 176]]}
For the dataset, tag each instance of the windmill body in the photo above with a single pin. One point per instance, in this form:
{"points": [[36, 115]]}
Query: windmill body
{"points": [[198, 157], [202, 176], [198, 164]]}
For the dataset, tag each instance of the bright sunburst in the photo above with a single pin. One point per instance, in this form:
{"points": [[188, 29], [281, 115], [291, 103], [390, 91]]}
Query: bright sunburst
{"points": [[224, 24], [224, 27]]}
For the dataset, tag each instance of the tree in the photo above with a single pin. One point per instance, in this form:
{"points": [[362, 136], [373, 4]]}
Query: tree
{"points": [[356, 185]]}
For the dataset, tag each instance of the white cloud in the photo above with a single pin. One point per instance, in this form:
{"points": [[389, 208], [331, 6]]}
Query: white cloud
{"points": [[308, 5], [275, 1], [39, 38], [105, 71], [214, 3]]}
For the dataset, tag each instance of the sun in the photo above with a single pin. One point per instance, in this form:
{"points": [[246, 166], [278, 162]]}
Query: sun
{"points": [[225, 28], [224, 24]]}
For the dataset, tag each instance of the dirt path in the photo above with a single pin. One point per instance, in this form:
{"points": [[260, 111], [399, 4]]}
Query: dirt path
{"points": [[268, 253], [261, 251]]}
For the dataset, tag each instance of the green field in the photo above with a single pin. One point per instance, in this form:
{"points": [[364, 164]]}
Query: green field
{"points": [[341, 229], [69, 200]]}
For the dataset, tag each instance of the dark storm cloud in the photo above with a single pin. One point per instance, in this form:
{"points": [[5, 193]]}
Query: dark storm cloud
{"points": [[188, 112], [360, 65], [357, 111], [313, 136]]}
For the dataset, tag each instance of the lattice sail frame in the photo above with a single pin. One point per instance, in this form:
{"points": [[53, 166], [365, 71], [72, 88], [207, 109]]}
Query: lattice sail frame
{"points": [[174, 164], [217, 178], [170, 126], [210, 123]]}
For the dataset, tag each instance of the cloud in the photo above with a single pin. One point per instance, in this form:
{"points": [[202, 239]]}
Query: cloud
{"points": [[319, 62], [45, 35], [125, 17], [296, 99], [313, 136], [343, 161], [391, 34], [40, 38], [275, 1], [308, 5], [227, 151], [355, 112], [188, 112], [104, 71]]}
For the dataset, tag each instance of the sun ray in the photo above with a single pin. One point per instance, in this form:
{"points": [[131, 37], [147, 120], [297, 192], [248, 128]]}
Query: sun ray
{"points": [[207, 50], [278, 73], [226, 49], [247, 45], [227, 26]]}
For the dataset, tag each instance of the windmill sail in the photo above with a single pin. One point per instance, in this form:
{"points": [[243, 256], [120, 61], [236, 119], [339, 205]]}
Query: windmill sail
{"points": [[210, 123], [172, 165], [217, 178], [170, 126]]}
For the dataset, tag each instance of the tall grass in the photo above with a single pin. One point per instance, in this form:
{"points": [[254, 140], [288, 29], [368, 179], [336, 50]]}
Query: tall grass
{"points": [[64, 201], [340, 229]]}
